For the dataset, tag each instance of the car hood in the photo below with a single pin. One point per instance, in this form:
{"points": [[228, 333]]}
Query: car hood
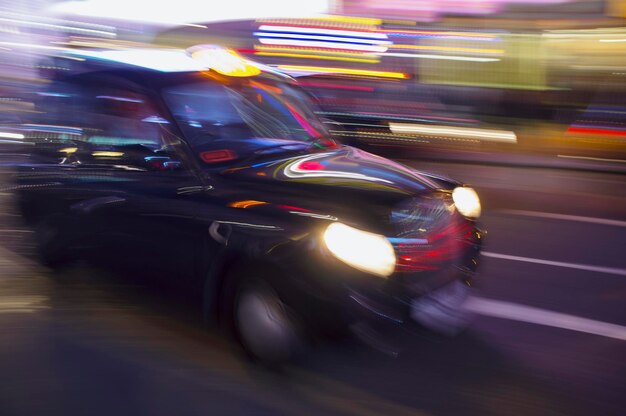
{"points": [[340, 169]]}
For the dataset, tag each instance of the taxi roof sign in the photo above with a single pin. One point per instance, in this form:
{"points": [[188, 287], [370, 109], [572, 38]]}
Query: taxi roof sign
{"points": [[224, 61]]}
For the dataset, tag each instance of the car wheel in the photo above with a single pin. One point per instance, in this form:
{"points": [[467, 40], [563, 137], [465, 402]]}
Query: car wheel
{"points": [[266, 327]]}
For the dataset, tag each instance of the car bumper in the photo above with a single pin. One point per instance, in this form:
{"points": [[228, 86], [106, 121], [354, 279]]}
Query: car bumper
{"points": [[440, 307], [405, 300], [383, 322]]}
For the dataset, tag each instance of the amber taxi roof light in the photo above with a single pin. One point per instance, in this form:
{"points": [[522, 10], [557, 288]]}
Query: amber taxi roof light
{"points": [[223, 61]]}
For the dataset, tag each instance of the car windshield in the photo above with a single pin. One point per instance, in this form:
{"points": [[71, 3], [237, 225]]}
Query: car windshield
{"points": [[224, 123]]}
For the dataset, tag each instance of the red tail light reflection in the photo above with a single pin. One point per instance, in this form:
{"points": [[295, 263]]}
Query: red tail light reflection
{"points": [[445, 245]]}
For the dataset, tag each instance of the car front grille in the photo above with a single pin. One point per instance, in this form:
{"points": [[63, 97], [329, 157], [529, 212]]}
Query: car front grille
{"points": [[430, 235]]}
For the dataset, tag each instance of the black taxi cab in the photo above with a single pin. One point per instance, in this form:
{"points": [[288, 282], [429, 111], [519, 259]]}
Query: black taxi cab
{"points": [[215, 170]]}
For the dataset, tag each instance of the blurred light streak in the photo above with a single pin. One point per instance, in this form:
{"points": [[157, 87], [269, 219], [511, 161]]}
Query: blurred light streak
{"points": [[344, 71], [612, 40], [122, 99], [344, 39], [444, 37], [473, 133], [337, 86], [73, 58], [188, 11], [377, 115], [107, 154], [589, 130], [447, 48], [612, 111], [35, 46], [68, 150], [166, 60], [600, 159], [155, 120], [87, 42], [313, 215], [372, 21], [323, 57], [22, 304], [444, 34], [70, 29], [245, 224], [324, 39], [320, 44], [294, 208], [312, 30], [598, 67], [314, 51], [7, 135], [442, 57], [53, 129]]}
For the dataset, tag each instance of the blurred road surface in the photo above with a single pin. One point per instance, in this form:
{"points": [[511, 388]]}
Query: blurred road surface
{"points": [[549, 337]]}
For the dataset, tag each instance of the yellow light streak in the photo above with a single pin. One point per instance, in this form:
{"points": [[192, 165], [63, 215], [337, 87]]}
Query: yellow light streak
{"points": [[311, 56], [68, 150], [107, 154], [352, 19], [345, 71], [319, 51], [446, 48]]}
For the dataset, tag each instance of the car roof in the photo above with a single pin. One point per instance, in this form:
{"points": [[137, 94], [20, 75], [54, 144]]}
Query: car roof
{"points": [[166, 60], [162, 60]]}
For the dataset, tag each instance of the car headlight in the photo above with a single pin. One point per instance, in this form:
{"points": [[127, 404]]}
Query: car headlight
{"points": [[466, 201], [368, 252]]}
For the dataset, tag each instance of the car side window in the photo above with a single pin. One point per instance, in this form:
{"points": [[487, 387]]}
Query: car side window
{"points": [[121, 118], [106, 121]]}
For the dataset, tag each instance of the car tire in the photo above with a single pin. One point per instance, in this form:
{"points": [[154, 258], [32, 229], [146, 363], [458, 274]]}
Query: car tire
{"points": [[269, 331]]}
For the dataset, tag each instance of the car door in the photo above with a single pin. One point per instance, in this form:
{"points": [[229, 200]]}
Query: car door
{"points": [[144, 190]]}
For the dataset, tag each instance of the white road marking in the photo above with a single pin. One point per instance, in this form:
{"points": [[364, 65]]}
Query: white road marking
{"points": [[565, 217], [609, 270], [522, 313], [601, 159]]}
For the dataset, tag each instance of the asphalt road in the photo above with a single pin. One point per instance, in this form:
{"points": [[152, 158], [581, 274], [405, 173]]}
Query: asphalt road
{"points": [[549, 335]]}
